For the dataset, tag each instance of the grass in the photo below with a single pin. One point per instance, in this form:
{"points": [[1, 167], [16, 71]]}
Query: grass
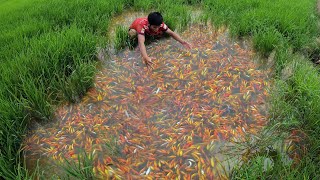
{"points": [[80, 169], [122, 38], [48, 56], [255, 18], [83, 167]]}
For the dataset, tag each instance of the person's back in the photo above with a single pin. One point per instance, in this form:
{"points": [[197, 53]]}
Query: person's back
{"points": [[141, 26]]}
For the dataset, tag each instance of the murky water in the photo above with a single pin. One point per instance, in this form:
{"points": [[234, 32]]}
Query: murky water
{"points": [[166, 123]]}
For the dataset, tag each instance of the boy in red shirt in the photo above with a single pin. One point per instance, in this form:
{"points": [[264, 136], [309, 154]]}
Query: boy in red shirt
{"points": [[154, 26]]}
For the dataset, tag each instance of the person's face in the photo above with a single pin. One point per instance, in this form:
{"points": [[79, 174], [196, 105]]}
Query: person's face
{"points": [[154, 28]]}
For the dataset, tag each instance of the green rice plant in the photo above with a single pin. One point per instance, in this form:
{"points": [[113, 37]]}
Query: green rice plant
{"points": [[20, 170], [55, 55], [305, 83], [283, 56], [12, 125], [185, 19], [262, 156], [203, 18], [35, 99], [298, 93], [267, 40], [170, 21], [93, 16], [245, 17], [65, 48], [14, 41], [193, 2], [177, 17], [262, 167], [10, 143], [255, 170], [85, 14], [73, 87], [122, 39], [258, 168], [141, 4], [312, 50], [69, 57], [80, 169]]}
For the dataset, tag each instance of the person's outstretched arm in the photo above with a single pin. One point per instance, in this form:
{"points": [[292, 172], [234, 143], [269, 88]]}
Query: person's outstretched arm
{"points": [[146, 59], [178, 38]]}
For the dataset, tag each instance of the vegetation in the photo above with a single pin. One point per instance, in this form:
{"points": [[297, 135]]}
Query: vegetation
{"points": [[295, 97], [82, 169], [48, 56]]}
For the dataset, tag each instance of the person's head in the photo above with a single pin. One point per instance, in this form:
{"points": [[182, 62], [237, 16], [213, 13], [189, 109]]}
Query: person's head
{"points": [[155, 19]]}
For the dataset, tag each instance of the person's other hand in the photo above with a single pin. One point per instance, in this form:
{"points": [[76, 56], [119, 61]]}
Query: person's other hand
{"points": [[148, 62], [187, 45]]}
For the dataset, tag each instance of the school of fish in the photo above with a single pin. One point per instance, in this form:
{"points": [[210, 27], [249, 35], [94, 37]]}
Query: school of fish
{"points": [[166, 122]]}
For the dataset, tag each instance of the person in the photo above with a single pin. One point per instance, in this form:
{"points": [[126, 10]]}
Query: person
{"points": [[152, 25]]}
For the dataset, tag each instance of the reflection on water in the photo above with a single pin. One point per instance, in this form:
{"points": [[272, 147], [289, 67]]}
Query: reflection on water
{"points": [[168, 122]]}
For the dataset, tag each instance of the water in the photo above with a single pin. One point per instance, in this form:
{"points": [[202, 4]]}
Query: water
{"points": [[170, 122]]}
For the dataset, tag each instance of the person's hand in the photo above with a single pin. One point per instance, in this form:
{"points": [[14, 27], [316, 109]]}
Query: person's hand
{"points": [[186, 45], [148, 61]]}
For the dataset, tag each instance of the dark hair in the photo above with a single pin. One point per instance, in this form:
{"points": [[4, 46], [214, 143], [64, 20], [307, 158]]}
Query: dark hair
{"points": [[155, 18]]}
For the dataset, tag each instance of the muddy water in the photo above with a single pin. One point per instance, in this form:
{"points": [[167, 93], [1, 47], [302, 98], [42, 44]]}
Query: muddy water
{"points": [[166, 123], [125, 19]]}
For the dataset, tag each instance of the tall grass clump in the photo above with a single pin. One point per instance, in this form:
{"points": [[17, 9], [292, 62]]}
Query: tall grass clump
{"points": [[10, 134], [122, 38], [296, 23], [177, 15], [22, 21], [80, 169], [141, 5], [266, 40], [71, 52], [83, 166]]}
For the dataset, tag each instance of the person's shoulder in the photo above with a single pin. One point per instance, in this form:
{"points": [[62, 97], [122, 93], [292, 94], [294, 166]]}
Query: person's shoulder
{"points": [[163, 26]]}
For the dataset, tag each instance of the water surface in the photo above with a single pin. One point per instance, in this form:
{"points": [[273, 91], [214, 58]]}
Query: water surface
{"points": [[166, 123]]}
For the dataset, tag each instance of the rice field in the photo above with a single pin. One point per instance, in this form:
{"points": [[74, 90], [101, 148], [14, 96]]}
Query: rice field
{"points": [[49, 56]]}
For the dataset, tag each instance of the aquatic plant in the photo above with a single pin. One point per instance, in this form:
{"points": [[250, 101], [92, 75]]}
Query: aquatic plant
{"points": [[80, 169]]}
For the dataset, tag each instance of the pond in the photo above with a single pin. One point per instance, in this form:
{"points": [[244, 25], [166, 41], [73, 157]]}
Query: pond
{"points": [[169, 122]]}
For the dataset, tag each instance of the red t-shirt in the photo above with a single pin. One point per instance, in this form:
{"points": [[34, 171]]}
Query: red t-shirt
{"points": [[141, 25]]}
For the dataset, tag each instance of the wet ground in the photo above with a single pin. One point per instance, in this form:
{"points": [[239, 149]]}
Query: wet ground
{"points": [[170, 122]]}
